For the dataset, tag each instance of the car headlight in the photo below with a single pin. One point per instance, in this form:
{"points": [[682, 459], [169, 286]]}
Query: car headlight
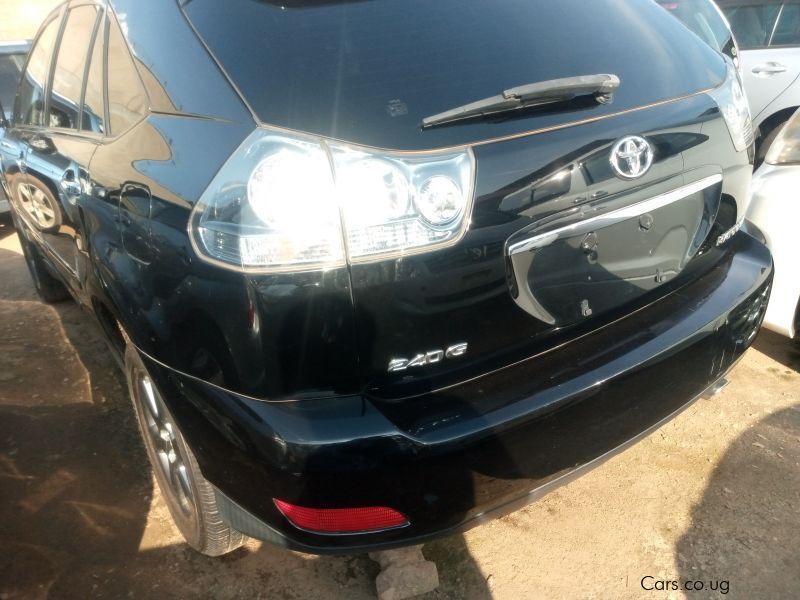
{"points": [[732, 102], [285, 203], [785, 149]]}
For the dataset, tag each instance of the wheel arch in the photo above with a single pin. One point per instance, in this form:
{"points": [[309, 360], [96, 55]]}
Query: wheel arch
{"points": [[775, 120]]}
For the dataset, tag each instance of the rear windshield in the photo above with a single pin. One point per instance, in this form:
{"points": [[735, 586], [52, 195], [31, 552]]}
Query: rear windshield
{"points": [[369, 71], [702, 17]]}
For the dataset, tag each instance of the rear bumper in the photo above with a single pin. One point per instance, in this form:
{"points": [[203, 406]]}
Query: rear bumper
{"points": [[552, 417]]}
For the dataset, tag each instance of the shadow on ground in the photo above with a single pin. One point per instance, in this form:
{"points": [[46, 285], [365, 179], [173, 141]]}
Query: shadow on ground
{"points": [[746, 528], [6, 227], [79, 516], [779, 349]]}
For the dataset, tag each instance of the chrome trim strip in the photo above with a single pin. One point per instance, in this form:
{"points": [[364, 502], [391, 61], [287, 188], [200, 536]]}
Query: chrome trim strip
{"points": [[542, 240]]}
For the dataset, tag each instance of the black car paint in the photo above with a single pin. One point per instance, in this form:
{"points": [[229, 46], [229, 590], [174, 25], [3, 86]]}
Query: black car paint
{"points": [[281, 380]]}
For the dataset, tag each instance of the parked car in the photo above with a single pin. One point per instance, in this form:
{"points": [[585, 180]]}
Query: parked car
{"points": [[768, 32], [373, 278], [706, 20], [12, 57], [775, 210]]}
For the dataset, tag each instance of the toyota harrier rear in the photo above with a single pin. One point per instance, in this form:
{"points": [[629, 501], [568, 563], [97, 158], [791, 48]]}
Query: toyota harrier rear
{"points": [[379, 270]]}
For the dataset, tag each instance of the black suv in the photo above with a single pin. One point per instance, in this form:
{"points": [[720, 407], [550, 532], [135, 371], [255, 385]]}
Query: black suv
{"points": [[380, 270]]}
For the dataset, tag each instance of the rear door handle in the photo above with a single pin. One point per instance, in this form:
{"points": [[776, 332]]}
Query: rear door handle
{"points": [[769, 68]]}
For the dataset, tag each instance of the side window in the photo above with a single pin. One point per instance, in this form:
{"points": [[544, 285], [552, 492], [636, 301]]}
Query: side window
{"points": [[753, 23], [94, 112], [65, 95], [787, 32], [29, 106], [126, 98]]}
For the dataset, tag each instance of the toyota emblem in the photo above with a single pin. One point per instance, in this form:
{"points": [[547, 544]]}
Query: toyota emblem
{"points": [[631, 157]]}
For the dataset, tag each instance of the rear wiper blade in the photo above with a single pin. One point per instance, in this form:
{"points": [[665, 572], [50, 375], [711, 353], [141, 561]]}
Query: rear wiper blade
{"points": [[555, 91]]}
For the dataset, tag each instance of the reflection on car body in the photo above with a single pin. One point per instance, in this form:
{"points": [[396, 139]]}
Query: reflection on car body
{"points": [[705, 19]]}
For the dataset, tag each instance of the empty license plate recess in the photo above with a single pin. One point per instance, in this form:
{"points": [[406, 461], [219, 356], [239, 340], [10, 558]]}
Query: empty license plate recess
{"points": [[570, 272]]}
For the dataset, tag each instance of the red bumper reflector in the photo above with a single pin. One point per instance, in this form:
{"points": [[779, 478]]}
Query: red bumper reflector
{"points": [[342, 520]]}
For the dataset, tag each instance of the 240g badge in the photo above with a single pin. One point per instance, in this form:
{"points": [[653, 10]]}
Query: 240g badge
{"points": [[431, 357]]}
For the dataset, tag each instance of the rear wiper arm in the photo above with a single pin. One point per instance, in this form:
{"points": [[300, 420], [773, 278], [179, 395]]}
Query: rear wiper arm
{"points": [[555, 91]]}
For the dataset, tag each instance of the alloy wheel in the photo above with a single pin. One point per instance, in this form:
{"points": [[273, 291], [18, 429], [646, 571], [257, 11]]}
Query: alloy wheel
{"points": [[37, 205], [161, 436]]}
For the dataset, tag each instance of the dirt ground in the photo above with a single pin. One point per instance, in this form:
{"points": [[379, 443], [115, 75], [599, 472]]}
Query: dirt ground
{"points": [[713, 497]]}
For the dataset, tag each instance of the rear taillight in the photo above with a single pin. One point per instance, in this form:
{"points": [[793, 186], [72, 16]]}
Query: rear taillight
{"points": [[732, 102], [294, 203], [342, 520]]}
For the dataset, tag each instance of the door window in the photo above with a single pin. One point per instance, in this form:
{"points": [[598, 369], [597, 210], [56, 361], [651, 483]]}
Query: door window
{"points": [[753, 23], [787, 31], [65, 96], [94, 112], [126, 98], [29, 106]]}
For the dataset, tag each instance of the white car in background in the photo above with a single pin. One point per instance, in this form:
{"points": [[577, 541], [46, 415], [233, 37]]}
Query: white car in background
{"points": [[775, 209], [768, 33]]}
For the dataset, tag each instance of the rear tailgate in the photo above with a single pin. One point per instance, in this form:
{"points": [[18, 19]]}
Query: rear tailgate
{"points": [[617, 244]]}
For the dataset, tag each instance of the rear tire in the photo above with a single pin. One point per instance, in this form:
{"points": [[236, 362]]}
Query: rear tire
{"points": [[188, 495], [50, 289]]}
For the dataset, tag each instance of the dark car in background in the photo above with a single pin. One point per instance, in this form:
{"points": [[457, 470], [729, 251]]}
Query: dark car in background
{"points": [[12, 58], [374, 278]]}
